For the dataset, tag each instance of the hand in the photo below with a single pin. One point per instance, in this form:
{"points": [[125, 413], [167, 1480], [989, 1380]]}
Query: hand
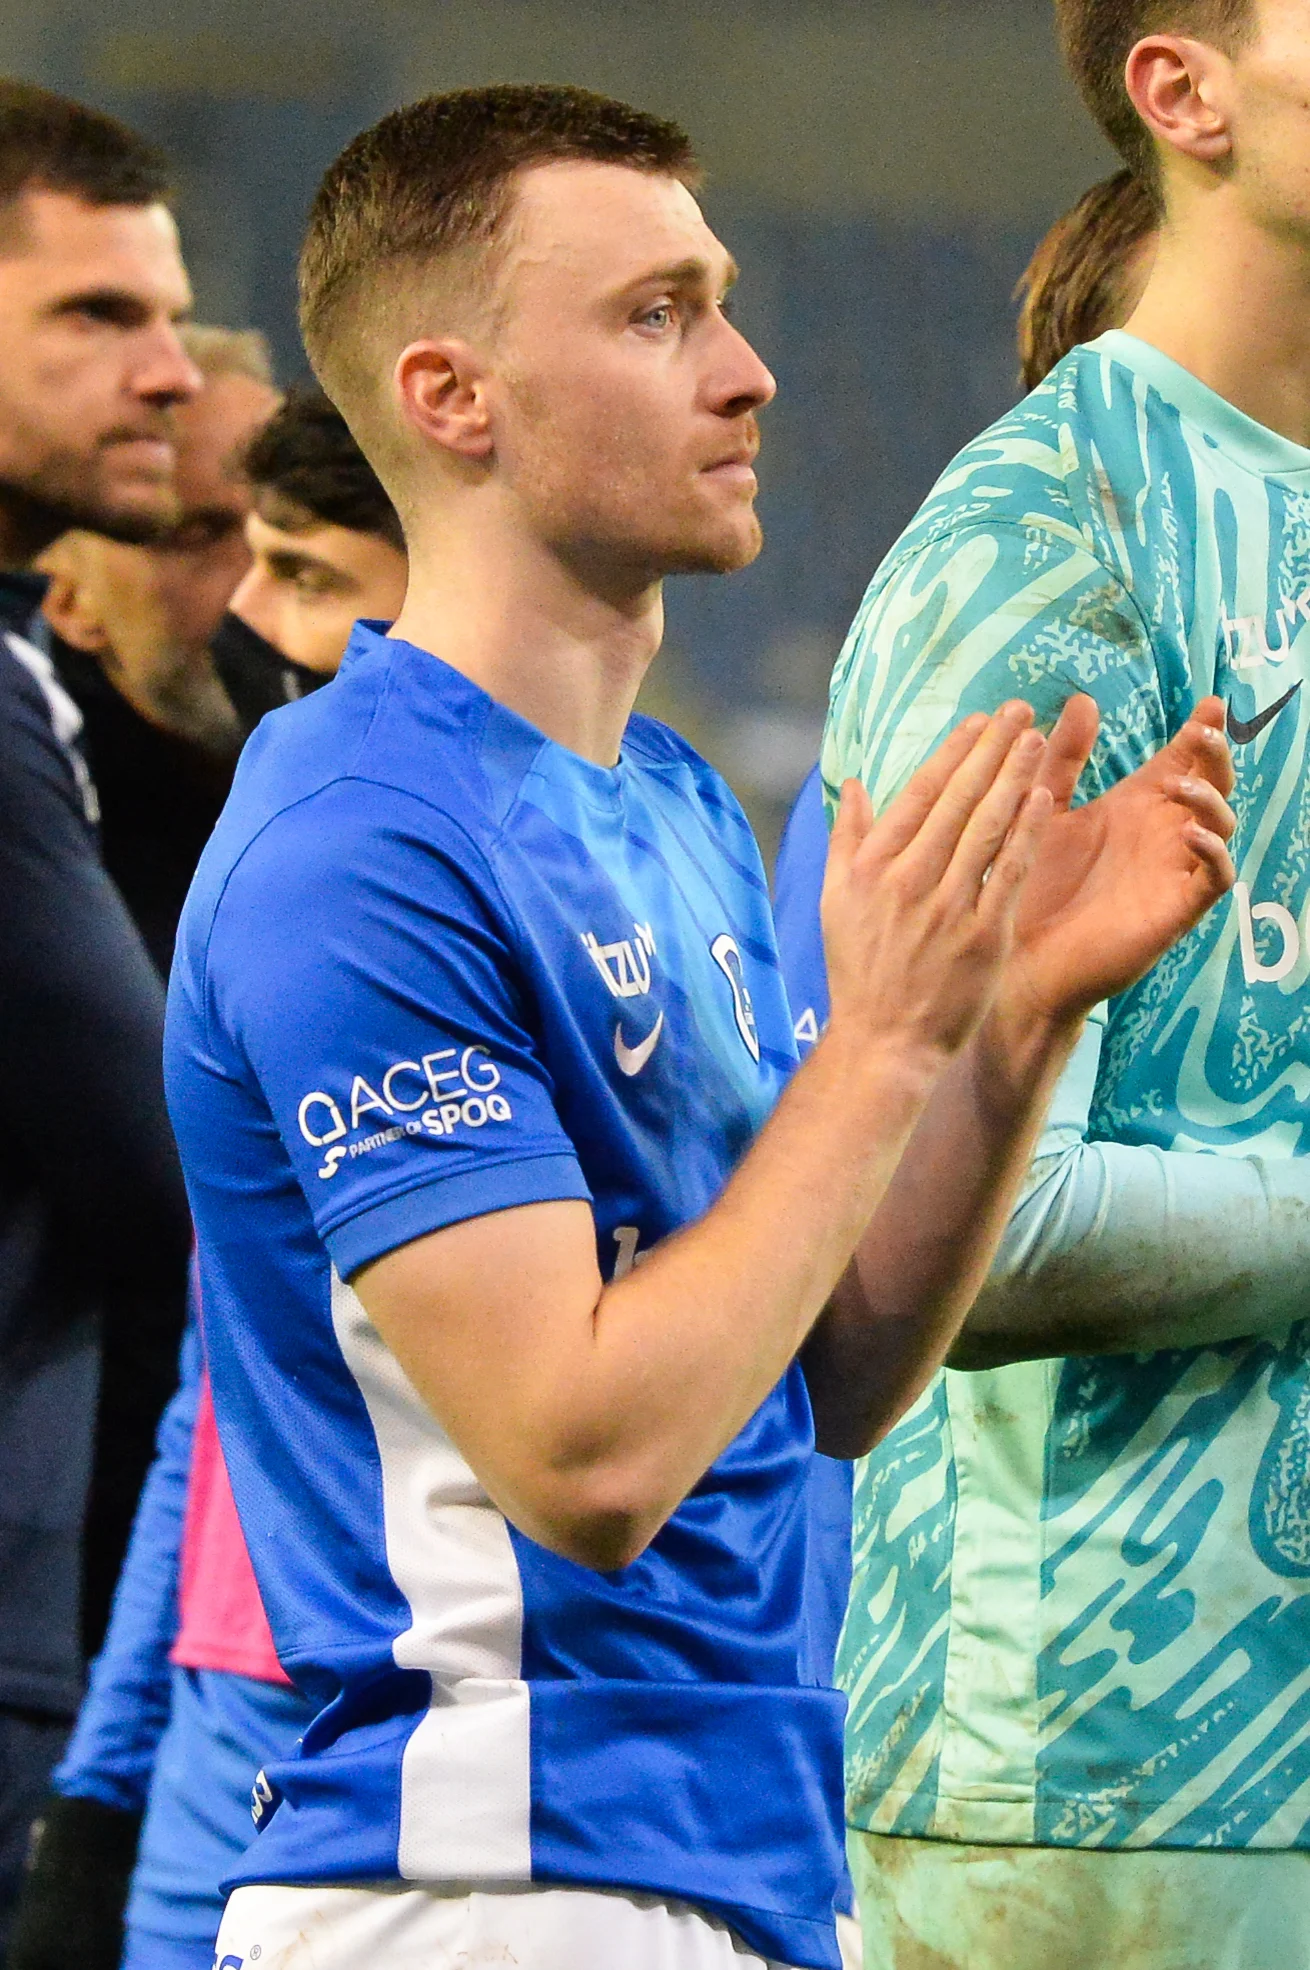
{"points": [[70, 1911], [1116, 883], [919, 904]]}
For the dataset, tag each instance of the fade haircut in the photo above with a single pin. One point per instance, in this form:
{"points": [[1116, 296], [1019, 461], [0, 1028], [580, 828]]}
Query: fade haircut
{"points": [[1099, 35], [311, 472], [1079, 281], [48, 143], [432, 184]]}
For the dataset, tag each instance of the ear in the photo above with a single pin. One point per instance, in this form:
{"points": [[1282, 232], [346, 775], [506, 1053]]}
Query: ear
{"points": [[442, 388], [68, 610], [1182, 90]]}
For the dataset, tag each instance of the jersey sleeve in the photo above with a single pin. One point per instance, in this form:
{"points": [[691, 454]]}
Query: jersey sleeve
{"points": [[981, 615], [371, 976], [111, 1753], [797, 887]]}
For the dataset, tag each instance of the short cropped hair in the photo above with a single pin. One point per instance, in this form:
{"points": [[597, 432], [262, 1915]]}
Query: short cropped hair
{"points": [[228, 352], [435, 178], [306, 458], [1099, 35], [48, 143], [1077, 283]]}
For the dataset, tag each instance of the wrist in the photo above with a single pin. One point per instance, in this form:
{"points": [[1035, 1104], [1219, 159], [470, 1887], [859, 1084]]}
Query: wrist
{"points": [[876, 1069], [1021, 1046]]}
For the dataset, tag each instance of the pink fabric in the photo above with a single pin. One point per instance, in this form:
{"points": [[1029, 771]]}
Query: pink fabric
{"points": [[223, 1624]]}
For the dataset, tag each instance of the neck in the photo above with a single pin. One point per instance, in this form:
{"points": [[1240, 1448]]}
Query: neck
{"points": [[27, 527], [1230, 301], [555, 642]]}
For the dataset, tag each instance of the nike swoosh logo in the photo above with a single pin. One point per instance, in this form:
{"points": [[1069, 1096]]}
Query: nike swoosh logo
{"points": [[1241, 730], [632, 1059]]}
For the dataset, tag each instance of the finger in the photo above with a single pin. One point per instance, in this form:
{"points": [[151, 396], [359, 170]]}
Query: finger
{"points": [[1216, 874], [1206, 804], [1202, 748], [853, 820], [907, 813], [937, 840], [1069, 748], [851, 824], [996, 813], [1013, 865]]}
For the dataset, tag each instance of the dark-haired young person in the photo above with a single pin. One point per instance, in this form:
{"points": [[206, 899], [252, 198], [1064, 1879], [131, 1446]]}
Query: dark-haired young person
{"points": [[187, 1699], [475, 1029], [1080, 1622], [94, 1230], [326, 548]]}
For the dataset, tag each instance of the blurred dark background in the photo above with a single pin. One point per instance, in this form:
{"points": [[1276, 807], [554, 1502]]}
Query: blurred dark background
{"points": [[881, 171]]}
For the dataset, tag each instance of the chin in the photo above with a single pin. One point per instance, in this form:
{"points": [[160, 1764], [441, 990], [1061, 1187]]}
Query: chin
{"points": [[725, 551], [136, 517]]}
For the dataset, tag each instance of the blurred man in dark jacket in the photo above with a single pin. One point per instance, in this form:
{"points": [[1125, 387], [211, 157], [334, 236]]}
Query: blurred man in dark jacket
{"points": [[133, 624], [94, 1230]]}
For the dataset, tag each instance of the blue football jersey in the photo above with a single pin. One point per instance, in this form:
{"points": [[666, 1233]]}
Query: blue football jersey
{"points": [[434, 966]]}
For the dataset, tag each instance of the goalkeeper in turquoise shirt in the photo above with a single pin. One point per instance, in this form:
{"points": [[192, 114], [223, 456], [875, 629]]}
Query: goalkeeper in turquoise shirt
{"points": [[1078, 1652]]}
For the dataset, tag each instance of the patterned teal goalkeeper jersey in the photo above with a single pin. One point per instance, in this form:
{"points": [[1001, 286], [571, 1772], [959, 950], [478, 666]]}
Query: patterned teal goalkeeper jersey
{"points": [[1081, 1611]]}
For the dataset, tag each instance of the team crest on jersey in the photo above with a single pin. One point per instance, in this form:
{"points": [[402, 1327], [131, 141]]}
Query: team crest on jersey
{"points": [[625, 966], [727, 957]]}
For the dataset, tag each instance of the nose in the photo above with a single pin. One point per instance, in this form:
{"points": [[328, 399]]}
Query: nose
{"points": [[746, 383], [167, 374], [254, 601]]}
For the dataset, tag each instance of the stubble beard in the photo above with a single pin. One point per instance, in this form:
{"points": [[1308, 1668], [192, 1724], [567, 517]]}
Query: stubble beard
{"points": [[38, 507]]}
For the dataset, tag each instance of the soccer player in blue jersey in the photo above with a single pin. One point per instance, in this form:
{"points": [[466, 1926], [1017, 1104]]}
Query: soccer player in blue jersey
{"points": [[476, 1025], [1080, 1624]]}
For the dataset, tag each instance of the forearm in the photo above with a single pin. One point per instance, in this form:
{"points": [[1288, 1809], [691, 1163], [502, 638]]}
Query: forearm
{"points": [[926, 1252], [111, 1753], [629, 1392], [689, 1344], [1120, 1249]]}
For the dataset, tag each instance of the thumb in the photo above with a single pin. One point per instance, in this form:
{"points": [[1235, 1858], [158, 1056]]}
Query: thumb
{"points": [[1069, 748], [853, 822]]}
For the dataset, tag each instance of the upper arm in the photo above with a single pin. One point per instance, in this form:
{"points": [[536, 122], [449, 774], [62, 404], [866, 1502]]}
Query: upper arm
{"points": [[362, 970], [81, 1019], [492, 1320], [976, 617], [372, 985]]}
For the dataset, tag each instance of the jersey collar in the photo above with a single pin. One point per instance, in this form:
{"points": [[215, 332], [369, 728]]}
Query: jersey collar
{"points": [[1238, 436]]}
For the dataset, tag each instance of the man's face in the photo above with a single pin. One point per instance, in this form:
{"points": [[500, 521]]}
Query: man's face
{"points": [[1270, 116], [90, 299], [624, 401], [308, 584], [149, 612]]}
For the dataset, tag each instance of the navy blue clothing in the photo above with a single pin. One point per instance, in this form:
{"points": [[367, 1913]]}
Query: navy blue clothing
{"points": [[93, 1222], [435, 966]]}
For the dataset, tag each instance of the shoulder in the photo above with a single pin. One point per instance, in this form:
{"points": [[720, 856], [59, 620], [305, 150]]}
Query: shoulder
{"points": [[342, 824], [1045, 467], [42, 778]]}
